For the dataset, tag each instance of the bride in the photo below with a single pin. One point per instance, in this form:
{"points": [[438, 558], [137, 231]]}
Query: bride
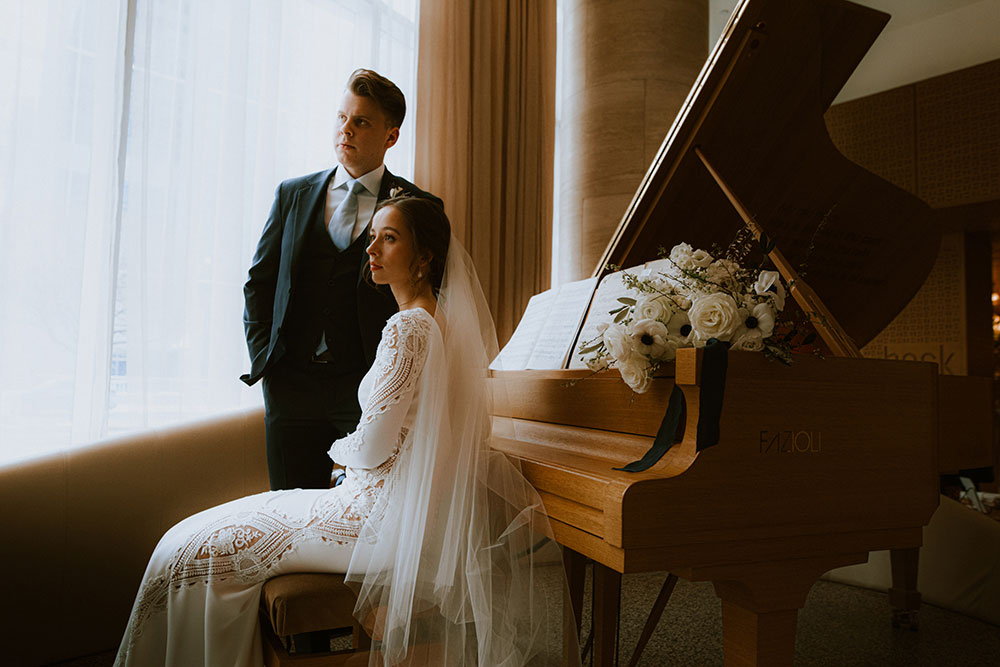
{"points": [[441, 536]]}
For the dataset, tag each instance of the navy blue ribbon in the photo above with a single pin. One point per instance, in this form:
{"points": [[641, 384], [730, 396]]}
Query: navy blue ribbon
{"points": [[664, 437], [715, 362], [714, 365]]}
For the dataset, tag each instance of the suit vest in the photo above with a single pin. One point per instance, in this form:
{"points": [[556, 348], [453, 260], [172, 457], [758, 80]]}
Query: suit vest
{"points": [[325, 299]]}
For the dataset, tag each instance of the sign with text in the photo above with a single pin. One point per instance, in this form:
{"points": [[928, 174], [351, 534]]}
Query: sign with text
{"points": [[950, 357]]}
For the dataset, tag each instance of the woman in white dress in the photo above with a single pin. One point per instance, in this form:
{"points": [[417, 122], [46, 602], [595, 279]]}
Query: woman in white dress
{"points": [[441, 536]]}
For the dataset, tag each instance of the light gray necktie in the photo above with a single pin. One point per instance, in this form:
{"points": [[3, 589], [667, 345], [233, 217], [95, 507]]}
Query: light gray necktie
{"points": [[346, 214]]}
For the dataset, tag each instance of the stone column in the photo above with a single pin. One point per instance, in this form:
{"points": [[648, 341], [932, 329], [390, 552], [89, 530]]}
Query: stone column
{"points": [[627, 68]]}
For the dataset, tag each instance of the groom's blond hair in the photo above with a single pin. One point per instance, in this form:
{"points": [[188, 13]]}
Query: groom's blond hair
{"points": [[370, 84]]}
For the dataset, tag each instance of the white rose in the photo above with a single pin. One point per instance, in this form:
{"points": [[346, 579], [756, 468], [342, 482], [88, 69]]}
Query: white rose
{"points": [[680, 255], [650, 338], [653, 307], [685, 257], [769, 284], [714, 316], [744, 340], [682, 299], [670, 346], [616, 339], [635, 373]]}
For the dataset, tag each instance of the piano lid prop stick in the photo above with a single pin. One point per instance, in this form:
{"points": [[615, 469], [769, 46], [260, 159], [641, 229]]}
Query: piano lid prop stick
{"points": [[826, 324]]}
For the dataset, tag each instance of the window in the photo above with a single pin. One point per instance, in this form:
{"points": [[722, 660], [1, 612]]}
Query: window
{"points": [[130, 205]]}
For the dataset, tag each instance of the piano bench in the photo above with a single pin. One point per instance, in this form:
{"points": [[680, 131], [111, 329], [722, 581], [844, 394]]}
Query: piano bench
{"points": [[295, 604]]}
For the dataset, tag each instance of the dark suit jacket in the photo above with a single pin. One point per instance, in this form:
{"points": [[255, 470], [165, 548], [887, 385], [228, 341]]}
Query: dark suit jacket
{"points": [[271, 280]]}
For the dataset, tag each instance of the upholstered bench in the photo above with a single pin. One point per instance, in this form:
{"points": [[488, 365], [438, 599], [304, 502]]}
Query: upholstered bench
{"points": [[295, 604]]}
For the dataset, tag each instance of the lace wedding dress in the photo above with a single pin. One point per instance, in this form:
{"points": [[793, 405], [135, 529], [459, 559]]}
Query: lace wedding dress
{"points": [[197, 604], [443, 538]]}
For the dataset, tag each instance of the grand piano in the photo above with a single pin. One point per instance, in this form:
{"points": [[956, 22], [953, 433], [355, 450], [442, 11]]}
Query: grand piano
{"points": [[819, 462]]}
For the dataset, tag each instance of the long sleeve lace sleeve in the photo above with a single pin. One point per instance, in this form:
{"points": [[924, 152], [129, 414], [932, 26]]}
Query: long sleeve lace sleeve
{"points": [[399, 361]]}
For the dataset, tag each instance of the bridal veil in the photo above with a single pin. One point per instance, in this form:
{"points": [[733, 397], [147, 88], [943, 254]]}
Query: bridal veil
{"points": [[454, 565]]}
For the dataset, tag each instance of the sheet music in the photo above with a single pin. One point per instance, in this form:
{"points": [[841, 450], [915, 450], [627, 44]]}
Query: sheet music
{"points": [[547, 330], [605, 300], [515, 354], [566, 311], [546, 337], [656, 266]]}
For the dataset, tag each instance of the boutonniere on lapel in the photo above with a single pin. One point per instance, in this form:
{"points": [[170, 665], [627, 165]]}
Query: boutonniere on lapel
{"points": [[396, 191]]}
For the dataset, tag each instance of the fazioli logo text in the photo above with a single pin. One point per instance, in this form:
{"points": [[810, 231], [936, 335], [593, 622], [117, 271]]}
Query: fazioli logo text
{"points": [[791, 442]]}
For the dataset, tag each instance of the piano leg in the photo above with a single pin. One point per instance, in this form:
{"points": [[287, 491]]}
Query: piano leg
{"points": [[654, 617], [904, 596], [575, 565], [758, 638], [760, 605], [607, 598]]}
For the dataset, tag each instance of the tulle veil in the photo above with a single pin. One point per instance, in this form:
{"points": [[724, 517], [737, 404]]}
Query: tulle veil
{"points": [[453, 566]]}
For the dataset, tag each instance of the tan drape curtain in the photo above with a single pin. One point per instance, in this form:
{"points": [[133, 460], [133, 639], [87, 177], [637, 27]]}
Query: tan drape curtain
{"points": [[485, 136]]}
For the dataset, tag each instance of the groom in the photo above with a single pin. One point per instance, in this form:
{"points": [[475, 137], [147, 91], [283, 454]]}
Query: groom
{"points": [[312, 322]]}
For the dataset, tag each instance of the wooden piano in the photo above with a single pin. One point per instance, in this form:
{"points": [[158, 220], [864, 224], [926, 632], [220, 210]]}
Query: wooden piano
{"points": [[819, 462]]}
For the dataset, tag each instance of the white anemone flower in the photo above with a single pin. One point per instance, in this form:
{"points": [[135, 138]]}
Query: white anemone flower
{"points": [[756, 325], [769, 284], [650, 338], [679, 327]]}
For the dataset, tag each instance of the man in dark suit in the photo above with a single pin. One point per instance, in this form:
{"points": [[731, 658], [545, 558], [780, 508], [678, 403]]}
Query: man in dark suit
{"points": [[312, 321]]}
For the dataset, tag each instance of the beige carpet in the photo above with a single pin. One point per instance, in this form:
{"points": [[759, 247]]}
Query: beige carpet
{"points": [[840, 626], [959, 564]]}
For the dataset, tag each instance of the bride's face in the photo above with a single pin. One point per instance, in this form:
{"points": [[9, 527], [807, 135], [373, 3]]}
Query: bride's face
{"points": [[391, 251]]}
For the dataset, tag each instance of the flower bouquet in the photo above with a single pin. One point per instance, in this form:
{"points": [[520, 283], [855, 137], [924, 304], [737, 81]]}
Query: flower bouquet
{"points": [[694, 299]]}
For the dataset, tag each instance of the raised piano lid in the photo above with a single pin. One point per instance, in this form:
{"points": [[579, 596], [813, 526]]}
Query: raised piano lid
{"points": [[756, 111]]}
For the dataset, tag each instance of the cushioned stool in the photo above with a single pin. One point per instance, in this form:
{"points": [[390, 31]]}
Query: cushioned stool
{"points": [[299, 603]]}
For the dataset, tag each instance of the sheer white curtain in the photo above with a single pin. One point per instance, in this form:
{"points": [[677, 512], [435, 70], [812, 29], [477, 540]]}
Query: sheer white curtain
{"points": [[140, 145]]}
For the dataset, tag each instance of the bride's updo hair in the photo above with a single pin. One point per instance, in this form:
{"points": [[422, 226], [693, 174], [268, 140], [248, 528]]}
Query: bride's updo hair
{"points": [[430, 229]]}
